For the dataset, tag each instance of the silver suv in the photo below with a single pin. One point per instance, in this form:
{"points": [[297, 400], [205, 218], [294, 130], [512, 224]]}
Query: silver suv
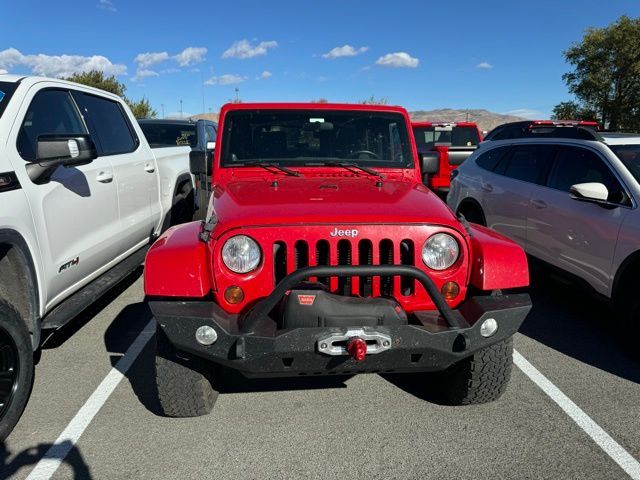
{"points": [[570, 202]]}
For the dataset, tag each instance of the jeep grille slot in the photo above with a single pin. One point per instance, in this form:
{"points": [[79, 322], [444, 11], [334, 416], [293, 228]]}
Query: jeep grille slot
{"points": [[322, 258], [365, 257], [301, 250], [406, 258], [344, 258], [386, 258], [279, 261]]}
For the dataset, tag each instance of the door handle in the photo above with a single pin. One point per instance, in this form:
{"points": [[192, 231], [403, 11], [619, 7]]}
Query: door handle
{"points": [[487, 187], [104, 176], [149, 168], [539, 204]]}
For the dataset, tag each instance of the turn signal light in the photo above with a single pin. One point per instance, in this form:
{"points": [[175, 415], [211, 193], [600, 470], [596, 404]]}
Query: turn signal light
{"points": [[234, 295], [450, 290], [357, 348]]}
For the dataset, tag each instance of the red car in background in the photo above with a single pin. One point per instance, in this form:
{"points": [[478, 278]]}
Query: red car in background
{"points": [[442, 148]]}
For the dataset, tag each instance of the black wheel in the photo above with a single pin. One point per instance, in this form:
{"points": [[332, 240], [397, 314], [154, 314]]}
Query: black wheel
{"points": [[481, 378], [184, 383], [629, 315], [473, 213], [16, 368]]}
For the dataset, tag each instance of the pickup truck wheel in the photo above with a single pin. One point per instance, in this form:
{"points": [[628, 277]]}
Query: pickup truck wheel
{"points": [[16, 368], [481, 378], [184, 382]]}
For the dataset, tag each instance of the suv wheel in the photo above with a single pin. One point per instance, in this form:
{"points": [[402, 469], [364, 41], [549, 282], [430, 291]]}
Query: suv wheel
{"points": [[16, 368], [629, 313], [184, 383], [481, 378]]}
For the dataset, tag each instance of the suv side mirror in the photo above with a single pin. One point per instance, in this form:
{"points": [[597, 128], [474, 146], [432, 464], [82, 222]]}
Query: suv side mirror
{"points": [[589, 192], [55, 150], [199, 162], [211, 146]]}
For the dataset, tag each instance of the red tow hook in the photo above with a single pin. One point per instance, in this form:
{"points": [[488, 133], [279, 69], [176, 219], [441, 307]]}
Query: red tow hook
{"points": [[357, 348]]}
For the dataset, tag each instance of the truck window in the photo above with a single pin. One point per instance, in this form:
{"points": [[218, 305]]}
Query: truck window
{"points": [[108, 125], [210, 132], [51, 111], [630, 156], [170, 134], [427, 137], [305, 137]]}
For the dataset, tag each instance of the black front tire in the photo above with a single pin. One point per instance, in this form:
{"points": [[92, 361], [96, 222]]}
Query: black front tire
{"points": [[629, 331], [184, 383], [16, 368], [480, 378]]}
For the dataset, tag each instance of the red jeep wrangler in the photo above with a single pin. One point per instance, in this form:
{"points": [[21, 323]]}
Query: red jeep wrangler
{"points": [[323, 253], [442, 148]]}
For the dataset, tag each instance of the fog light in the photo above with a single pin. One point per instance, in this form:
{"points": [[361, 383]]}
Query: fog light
{"points": [[234, 295], [206, 335], [488, 327], [450, 290]]}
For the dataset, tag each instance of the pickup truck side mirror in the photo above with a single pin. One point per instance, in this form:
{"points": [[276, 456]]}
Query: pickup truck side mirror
{"points": [[56, 150], [211, 146], [199, 162], [430, 162], [589, 192]]}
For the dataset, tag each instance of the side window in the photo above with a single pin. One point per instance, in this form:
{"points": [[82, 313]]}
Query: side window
{"points": [[578, 165], [528, 163], [489, 160], [50, 112], [108, 124], [210, 133]]}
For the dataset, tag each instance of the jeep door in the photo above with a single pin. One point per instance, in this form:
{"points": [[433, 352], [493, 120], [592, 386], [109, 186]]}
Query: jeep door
{"points": [[134, 166], [75, 213], [577, 236], [507, 193]]}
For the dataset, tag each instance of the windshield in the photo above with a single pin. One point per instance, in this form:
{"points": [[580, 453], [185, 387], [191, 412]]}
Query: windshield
{"points": [[630, 156], [316, 137], [428, 137], [6, 90], [167, 134]]}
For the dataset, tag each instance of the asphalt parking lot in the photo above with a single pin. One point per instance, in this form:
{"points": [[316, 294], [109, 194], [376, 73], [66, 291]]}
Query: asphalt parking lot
{"points": [[366, 426]]}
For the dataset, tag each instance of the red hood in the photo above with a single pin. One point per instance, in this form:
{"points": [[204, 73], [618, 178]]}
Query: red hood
{"points": [[335, 201]]}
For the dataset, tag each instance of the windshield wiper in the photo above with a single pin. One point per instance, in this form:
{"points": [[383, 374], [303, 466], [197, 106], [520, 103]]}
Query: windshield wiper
{"points": [[267, 165], [349, 165]]}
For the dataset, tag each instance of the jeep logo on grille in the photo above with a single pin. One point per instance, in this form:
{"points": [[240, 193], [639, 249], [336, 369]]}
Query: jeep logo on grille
{"points": [[344, 233]]}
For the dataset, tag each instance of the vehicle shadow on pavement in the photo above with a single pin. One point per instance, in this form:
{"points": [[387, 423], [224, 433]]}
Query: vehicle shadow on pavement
{"points": [[12, 464], [566, 318]]}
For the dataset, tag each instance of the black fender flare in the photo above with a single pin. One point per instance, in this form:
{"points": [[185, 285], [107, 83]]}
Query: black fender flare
{"points": [[475, 204], [16, 240]]}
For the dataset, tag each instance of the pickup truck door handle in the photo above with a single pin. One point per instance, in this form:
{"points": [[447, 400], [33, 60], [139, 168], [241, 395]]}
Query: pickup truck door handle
{"points": [[104, 176], [149, 168], [539, 204], [487, 187]]}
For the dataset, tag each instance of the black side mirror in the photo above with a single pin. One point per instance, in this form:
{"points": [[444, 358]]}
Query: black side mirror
{"points": [[200, 162], [430, 162], [55, 150]]}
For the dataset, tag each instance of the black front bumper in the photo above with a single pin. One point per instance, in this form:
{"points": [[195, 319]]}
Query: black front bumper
{"points": [[253, 345]]}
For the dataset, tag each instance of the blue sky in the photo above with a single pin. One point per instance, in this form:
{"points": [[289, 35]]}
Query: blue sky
{"points": [[505, 56]]}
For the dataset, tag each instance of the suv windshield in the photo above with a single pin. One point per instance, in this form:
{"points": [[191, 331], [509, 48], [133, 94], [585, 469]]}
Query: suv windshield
{"points": [[427, 137], [316, 137], [6, 90], [169, 134], [630, 156]]}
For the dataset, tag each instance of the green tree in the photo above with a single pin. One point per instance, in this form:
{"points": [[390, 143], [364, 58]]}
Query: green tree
{"points": [[606, 73], [95, 78], [375, 101], [573, 111]]}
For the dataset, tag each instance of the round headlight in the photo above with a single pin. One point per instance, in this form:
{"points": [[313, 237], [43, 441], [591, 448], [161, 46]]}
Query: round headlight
{"points": [[440, 251], [241, 254]]}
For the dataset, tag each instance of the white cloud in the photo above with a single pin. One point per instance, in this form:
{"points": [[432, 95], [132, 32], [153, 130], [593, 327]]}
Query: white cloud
{"points": [[528, 113], [265, 75], [398, 60], [3, 71], [484, 66], [142, 73], [145, 60], [59, 65], [344, 51], [107, 5], [243, 49], [191, 56], [227, 79], [170, 70]]}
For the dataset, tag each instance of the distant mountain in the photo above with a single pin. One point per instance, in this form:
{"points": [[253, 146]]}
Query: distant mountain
{"points": [[485, 119]]}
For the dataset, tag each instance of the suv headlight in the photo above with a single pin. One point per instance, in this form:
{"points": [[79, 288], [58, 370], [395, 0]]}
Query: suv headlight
{"points": [[440, 251], [241, 254]]}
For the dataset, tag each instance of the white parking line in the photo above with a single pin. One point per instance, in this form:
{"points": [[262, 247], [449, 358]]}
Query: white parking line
{"points": [[591, 428], [51, 460]]}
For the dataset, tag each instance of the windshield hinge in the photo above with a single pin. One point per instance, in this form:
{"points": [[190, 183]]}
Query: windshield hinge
{"points": [[207, 228]]}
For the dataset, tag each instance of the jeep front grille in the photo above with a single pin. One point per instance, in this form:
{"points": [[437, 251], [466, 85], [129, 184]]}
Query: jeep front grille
{"points": [[288, 257]]}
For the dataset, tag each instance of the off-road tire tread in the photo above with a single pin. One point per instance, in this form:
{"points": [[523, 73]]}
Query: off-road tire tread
{"points": [[184, 385], [481, 378]]}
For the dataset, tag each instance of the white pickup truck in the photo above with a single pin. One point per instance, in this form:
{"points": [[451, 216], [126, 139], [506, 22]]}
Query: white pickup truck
{"points": [[81, 197]]}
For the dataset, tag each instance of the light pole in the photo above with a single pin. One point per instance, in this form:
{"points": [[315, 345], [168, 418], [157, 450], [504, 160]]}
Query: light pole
{"points": [[237, 94], [162, 107], [180, 109]]}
